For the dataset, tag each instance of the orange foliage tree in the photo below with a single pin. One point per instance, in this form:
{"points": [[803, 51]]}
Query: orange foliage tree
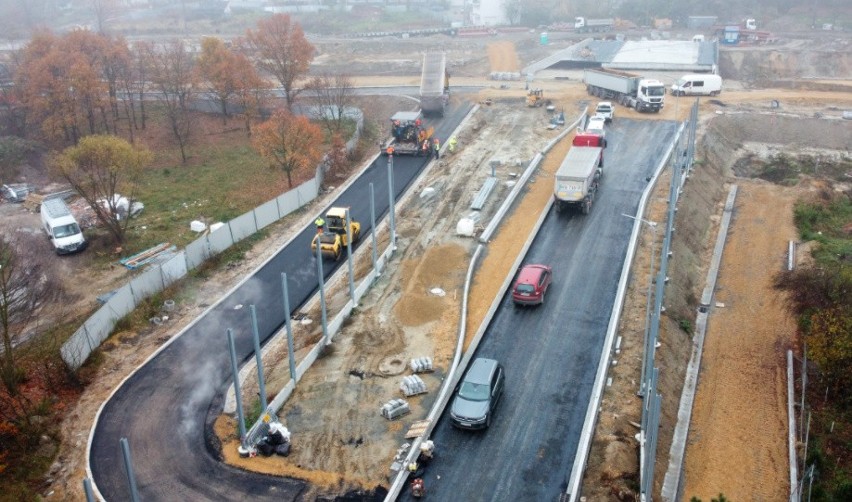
{"points": [[216, 68], [290, 143], [250, 89], [280, 48]]}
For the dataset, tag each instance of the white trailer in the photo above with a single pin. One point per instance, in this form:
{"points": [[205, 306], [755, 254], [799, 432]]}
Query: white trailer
{"points": [[578, 178], [583, 25]]}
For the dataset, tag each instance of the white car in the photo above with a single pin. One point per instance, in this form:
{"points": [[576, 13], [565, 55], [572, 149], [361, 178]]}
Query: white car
{"points": [[596, 125], [605, 110]]}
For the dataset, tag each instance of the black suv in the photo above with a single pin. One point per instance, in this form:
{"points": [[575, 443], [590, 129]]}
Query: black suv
{"points": [[478, 394]]}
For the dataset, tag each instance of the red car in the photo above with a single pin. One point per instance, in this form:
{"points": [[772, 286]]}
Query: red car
{"points": [[531, 284]]}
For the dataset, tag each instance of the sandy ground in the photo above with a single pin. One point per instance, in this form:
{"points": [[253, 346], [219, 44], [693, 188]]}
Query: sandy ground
{"points": [[416, 332], [737, 443]]}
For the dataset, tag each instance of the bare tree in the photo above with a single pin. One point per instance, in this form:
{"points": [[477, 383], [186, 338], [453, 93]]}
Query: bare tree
{"points": [[173, 76], [280, 48], [103, 9], [28, 285], [331, 94]]}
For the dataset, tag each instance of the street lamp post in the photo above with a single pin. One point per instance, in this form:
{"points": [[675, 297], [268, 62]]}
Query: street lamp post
{"points": [[647, 342]]}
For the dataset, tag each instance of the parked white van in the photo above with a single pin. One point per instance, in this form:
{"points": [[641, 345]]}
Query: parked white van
{"points": [[61, 227], [697, 85]]}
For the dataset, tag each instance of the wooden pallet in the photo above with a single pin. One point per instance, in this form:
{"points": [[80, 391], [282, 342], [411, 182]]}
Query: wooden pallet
{"points": [[417, 429]]}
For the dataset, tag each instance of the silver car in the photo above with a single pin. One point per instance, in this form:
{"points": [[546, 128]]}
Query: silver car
{"points": [[478, 394]]}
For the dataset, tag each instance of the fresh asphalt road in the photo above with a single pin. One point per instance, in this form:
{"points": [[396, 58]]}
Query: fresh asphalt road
{"points": [[551, 352], [167, 407]]}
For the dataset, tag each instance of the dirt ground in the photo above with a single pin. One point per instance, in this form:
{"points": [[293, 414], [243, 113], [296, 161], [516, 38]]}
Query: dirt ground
{"points": [[399, 319], [737, 441]]}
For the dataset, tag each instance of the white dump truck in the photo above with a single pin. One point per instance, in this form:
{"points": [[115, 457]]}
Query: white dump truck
{"points": [[61, 227], [583, 25], [434, 84], [578, 178], [626, 89]]}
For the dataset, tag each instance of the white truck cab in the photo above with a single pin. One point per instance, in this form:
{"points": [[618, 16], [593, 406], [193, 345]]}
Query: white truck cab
{"points": [[61, 227]]}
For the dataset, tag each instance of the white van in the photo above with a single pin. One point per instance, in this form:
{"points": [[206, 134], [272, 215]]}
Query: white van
{"points": [[61, 227], [697, 85]]}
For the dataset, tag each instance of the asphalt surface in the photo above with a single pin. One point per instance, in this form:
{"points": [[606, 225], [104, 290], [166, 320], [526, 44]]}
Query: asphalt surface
{"points": [[551, 352], [166, 409]]}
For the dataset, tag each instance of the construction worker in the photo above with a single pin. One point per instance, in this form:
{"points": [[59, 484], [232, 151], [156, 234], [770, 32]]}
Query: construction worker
{"points": [[452, 144], [437, 146], [417, 488], [425, 147], [320, 223]]}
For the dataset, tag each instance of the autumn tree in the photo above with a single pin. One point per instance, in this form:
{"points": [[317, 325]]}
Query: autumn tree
{"points": [[216, 68], [100, 168], [331, 94], [28, 285], [175, 80], [280, 48], [289, 143], [250, 90]]}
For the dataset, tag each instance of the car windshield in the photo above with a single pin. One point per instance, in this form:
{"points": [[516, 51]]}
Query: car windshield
{"points": [[604, 108], [680, 82], [525, 288], [473, 391], [66, 230]]}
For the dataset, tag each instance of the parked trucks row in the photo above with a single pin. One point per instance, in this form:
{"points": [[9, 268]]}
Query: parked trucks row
{"points": [[627, 89]]}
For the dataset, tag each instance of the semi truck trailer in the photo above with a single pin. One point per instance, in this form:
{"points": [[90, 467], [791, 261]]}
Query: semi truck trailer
{"points": [[578, 178], [625, 88]]}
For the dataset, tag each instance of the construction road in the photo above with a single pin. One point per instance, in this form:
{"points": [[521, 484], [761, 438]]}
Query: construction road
{"points": [[166, 408], [550, 353]]}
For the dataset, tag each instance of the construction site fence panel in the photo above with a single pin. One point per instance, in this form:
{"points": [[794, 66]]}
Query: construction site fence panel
{"points": [[242, 226], [220, 239], [146, 284], [77, 349], [266, 214], [197, 252], [174, 269]]}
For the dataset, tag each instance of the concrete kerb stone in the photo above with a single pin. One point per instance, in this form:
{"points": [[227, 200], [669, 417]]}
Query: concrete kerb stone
{"points": [[587, 434], [672, 481], [453, 377]]}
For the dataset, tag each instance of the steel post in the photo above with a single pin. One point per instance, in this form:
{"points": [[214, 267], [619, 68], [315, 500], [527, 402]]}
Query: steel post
{"points": [[392, 203], [322, 295], [373, 229], [258, 356], [290, 349], [237, 392], [128, 467], [349, 259], [87, 489]]}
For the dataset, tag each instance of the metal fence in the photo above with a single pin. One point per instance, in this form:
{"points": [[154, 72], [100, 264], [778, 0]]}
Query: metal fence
{"points": [[158, 276]]}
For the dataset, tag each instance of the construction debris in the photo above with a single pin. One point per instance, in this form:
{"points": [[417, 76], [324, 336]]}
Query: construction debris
{"points": [[417, 429], [158, 252], [395, 408], [16, 192]]}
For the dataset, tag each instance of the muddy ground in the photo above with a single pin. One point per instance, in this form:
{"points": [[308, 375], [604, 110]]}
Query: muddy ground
{"points": [[399, 318]]}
